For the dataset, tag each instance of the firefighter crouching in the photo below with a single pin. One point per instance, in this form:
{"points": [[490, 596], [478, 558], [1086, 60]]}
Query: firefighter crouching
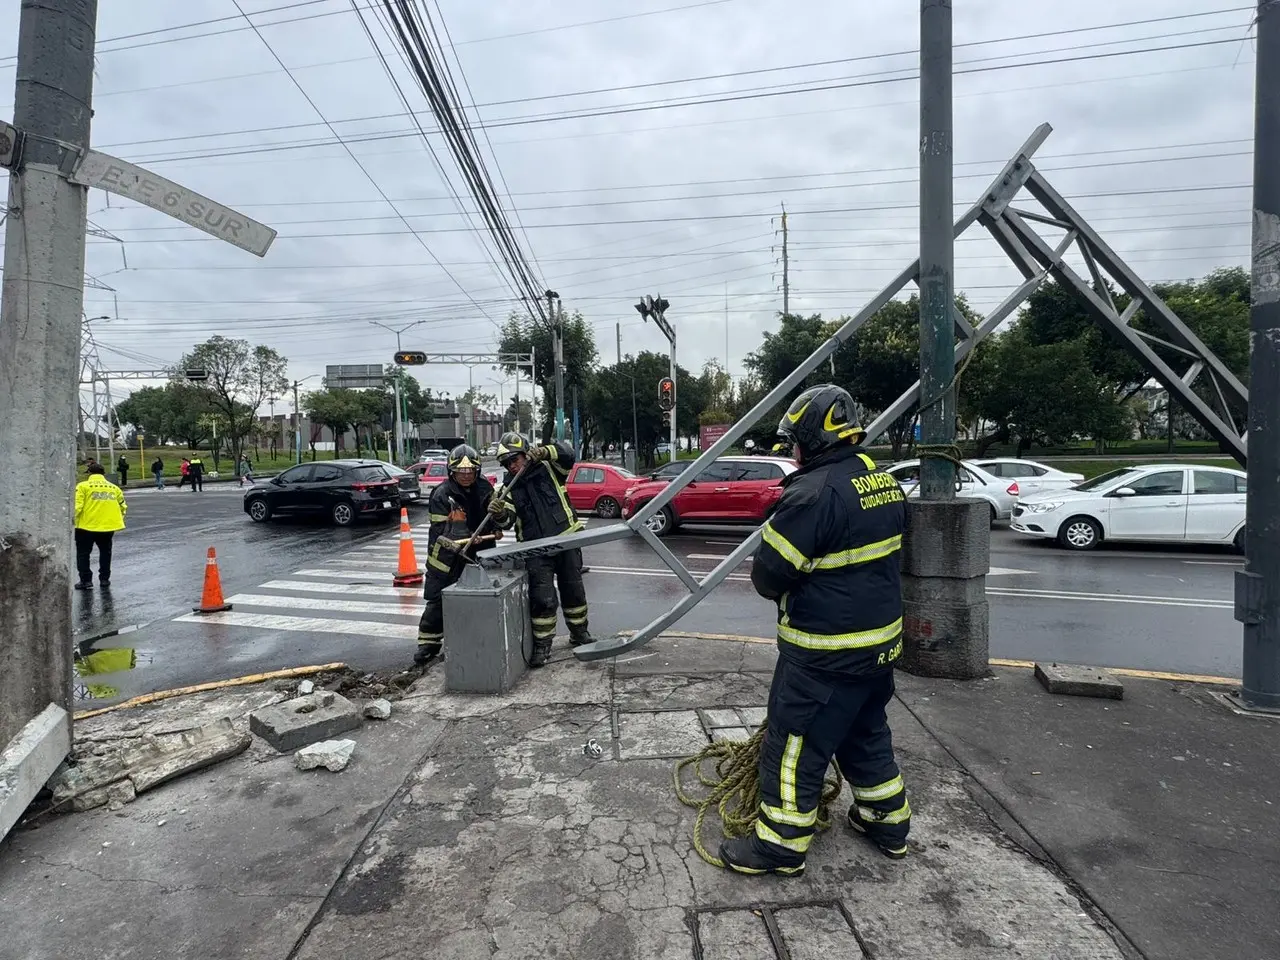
{"points": [[539, 507], [829, 557], [456, 508]]}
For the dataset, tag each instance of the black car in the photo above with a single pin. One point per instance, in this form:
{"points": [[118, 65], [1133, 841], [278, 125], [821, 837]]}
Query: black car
{"points": [[341, 489], [410, 487]]}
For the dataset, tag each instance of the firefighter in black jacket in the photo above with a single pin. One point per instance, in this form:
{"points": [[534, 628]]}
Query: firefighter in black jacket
{"points": [[829, 558], [539, 507], [457, 506]]}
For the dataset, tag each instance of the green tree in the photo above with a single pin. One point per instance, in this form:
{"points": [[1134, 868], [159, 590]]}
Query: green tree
{"points": [[521, 415], [610, 399], [240, 378], [171, 412], [524, 334], [338, 409]]}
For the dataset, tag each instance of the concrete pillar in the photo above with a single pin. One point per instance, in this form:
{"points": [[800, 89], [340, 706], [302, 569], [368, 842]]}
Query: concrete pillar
{"points": [[945, 557]]}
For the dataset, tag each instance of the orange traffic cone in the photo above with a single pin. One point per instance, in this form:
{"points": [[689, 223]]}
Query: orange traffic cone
{"points": [[211, 601], [407, 571]]}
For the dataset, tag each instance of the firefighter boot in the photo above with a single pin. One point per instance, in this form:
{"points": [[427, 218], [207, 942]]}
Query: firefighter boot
{"points": [[749, 855], [578, 638], [892, 849], [428, 650], [541, 653]]}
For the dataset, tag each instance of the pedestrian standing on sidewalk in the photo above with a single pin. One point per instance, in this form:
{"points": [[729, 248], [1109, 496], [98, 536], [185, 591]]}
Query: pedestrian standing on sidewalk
{"points": [[246, 470], [829, 558], [99, 513], [195, 471], [184, 472], [539, 507], [157, 470], [122, 466]]}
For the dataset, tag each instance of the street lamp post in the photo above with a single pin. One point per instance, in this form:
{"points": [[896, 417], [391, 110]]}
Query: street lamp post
{"points": [[297, 419], [399, 419]]}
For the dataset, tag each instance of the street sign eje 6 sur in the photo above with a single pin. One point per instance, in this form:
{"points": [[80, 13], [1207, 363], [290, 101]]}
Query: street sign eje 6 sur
{"points": [[128, 180]]}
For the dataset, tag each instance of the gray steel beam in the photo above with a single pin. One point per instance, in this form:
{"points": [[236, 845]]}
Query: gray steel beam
{"points": [[1112, 322]]}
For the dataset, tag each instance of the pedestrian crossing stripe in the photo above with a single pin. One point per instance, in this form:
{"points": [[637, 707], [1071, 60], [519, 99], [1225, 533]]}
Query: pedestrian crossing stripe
{"points": [[408, 606], [268, 621]]}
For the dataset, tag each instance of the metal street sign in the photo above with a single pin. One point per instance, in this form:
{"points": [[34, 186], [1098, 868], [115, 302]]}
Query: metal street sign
{"points": [[129, 180], [354, 376]]}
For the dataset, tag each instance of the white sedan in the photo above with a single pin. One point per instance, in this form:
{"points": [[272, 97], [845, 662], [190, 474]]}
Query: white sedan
{"points": [[1032, 477], [1156, 503], [973, 482]]}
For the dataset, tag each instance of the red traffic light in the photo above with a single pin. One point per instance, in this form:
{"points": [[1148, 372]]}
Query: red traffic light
{"points": [[666, 393]]}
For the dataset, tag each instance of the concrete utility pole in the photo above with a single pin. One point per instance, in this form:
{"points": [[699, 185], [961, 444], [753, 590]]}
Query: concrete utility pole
{"points": [[946, 553], [786, 268], [1258, 585], [618, 331], [40, 311]]}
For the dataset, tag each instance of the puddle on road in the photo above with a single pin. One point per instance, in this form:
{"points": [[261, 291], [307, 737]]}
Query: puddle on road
{"points": [[94, 669]]}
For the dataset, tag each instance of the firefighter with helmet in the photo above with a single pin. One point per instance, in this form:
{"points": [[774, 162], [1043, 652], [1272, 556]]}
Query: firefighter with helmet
{"points": [[829, 557], [457, 507], [539, 507]]}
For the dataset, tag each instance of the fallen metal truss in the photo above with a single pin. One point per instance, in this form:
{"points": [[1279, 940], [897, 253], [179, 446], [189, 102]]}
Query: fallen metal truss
{"points": [[1036, 259]]}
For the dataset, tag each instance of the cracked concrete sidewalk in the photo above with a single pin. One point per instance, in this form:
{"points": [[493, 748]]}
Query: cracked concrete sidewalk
{"points": [[470, 827]]}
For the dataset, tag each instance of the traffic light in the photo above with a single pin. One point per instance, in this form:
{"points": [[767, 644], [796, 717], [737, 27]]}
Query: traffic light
{"points": [[411, 358], [666, 419], [666, 393]]}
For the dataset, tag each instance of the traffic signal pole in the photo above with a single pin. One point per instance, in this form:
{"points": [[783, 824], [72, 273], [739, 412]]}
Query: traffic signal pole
{"points": [[40, 317], [1257, 599]]}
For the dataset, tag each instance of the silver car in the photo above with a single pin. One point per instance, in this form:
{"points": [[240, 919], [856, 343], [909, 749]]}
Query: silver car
{"points": [[1032, 477], [974, 482]]}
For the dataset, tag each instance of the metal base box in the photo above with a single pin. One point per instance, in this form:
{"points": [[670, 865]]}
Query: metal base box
{"points": [[488, 635]]}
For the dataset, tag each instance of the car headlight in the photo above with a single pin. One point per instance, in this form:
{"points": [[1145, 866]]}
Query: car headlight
{"points": [[1046, 507]]}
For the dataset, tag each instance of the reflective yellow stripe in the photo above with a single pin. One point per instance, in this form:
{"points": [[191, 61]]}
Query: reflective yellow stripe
{"points": [[784, 547], [787, 773], [840, 641], [845, 558], [575, 621], [576, 610], [544, 620], [439, 517], [789, 817], [769, 835], [901, 815], [552, 453], [430, 637], [871, 464], [434, 561], [881, 791]]}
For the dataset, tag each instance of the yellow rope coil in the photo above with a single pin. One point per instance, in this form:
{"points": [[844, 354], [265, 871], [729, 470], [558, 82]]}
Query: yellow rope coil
{"points": [[735, 790]]}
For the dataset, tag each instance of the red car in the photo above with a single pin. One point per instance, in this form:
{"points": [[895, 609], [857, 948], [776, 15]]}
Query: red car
{"points": [[731, 490], [599, 488], [431, 475]]}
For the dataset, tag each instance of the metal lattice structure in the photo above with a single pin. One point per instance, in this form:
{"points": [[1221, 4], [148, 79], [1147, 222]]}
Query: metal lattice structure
{"points": [[1037, 260]]}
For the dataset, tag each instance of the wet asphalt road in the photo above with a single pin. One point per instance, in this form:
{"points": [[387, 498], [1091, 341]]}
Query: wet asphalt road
{"points": [[305, 592]]}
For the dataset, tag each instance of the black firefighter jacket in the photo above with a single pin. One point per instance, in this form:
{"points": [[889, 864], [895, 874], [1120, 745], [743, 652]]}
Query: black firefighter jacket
{"points": [[455, 513], [538, 505], [829, 556]]}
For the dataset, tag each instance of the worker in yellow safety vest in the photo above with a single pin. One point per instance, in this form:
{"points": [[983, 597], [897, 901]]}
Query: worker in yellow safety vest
{"points": [[100, 510]]}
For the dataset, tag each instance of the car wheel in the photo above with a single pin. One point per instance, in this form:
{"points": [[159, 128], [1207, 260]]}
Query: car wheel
{"points": [[662, 522], [995, 515], [1240, 541], [259, 512], [1080, 533], [344, 514], [608, 508]]}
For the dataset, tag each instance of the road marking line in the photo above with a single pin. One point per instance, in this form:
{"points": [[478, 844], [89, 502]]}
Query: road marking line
{"points": [[714, 556], [1009, 572], [357, 589], [338, 574], [1216, 563], [269, 621], [388, 561], [408, 606]]}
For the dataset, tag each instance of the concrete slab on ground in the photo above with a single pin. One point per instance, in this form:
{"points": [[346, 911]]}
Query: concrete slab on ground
{"points": [[476, 827]]}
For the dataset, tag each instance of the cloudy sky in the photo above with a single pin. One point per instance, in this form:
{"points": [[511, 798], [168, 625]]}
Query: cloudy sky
{"points": [[646, 148]]}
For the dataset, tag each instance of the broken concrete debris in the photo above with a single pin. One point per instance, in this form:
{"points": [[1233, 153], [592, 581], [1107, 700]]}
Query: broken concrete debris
{"points": [[1072, 680], [379, 709], [333, 755], [306, 687], [118, 776], [303, 720]]}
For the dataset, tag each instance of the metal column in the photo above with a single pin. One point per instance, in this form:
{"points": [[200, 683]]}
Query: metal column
{"points": [[937, 249], [1258, 585]]}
